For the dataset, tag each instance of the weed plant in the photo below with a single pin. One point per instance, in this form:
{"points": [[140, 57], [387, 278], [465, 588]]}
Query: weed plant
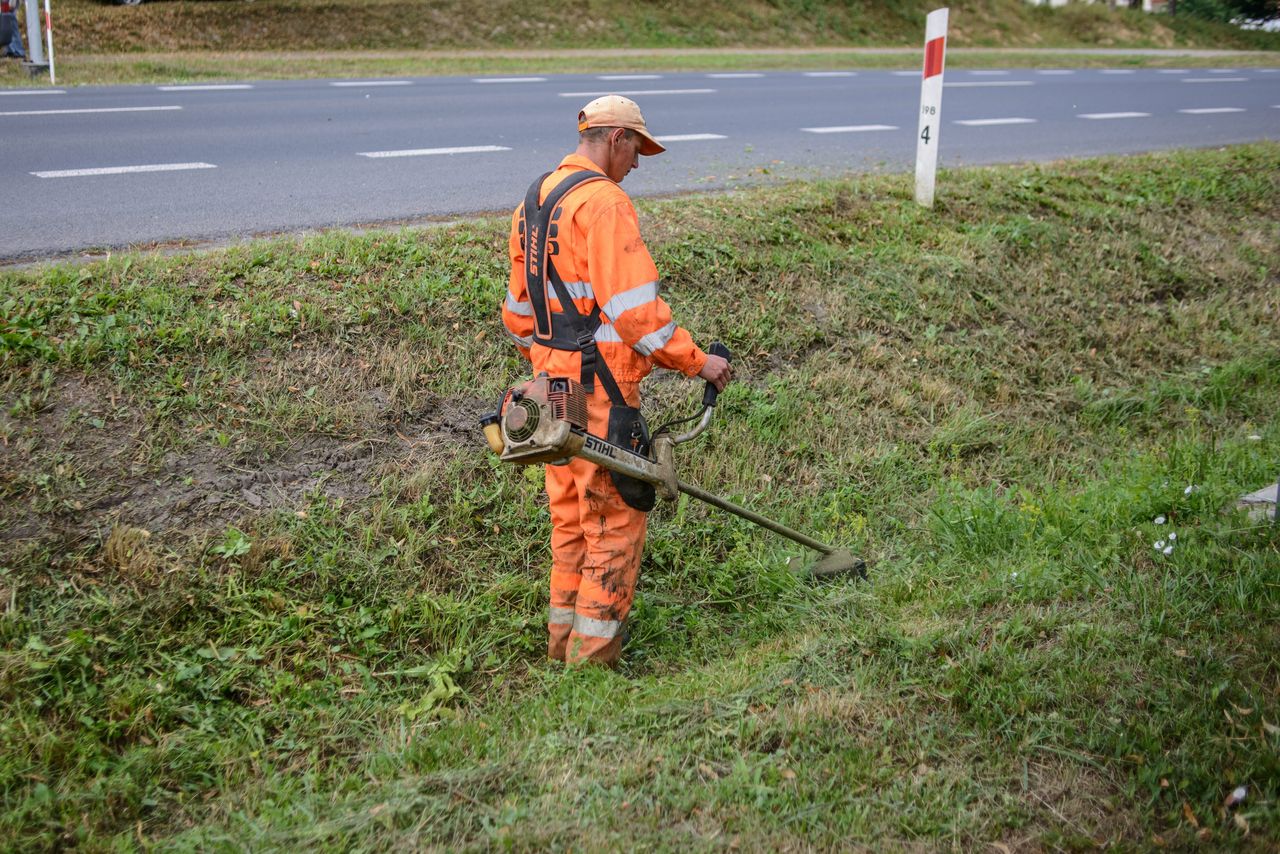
{"points": [[262, 585]]}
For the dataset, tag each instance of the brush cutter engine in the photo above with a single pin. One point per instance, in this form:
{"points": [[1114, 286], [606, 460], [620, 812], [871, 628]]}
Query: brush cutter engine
{"points": [[544, 420]]}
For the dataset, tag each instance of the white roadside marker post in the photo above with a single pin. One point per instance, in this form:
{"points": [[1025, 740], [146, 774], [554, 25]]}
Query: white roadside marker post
{"points": [[48, 28], [935, 45]]}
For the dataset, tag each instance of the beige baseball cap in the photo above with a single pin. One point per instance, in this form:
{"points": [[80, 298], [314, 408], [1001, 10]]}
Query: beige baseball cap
{"points": [[615, 111]]}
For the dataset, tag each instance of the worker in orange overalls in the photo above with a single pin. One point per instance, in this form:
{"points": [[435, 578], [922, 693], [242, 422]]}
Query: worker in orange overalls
{"points": [[583, 302]]}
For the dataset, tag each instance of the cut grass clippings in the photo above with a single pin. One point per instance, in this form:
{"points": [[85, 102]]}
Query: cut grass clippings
{"points": [[262, 585]]}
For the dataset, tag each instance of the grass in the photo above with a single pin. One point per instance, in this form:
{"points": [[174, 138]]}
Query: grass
{"points": [[261, 585], [186, 40]]}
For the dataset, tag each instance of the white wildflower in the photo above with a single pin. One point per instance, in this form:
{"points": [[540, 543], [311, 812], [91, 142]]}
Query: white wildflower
{"points": [[1158, 545], [1254, 437], [1160, 520], [1168, 549], [1172, 536], [1190, 489]]}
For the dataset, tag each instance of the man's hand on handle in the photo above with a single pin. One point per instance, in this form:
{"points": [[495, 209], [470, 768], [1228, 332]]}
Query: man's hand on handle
{"points": [[717, 371]]}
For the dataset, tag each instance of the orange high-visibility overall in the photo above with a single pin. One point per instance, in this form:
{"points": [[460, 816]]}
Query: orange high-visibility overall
{"points": [[596, 539]]}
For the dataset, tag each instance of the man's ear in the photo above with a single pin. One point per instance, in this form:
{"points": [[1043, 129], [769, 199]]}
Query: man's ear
{"points": [[617, 135]]}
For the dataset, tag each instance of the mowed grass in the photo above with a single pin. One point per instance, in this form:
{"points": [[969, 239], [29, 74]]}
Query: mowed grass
{"points": [[166, 42], [216, 631]]}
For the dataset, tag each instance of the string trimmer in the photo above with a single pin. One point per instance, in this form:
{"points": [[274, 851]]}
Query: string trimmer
{"points": [[545, 421]]}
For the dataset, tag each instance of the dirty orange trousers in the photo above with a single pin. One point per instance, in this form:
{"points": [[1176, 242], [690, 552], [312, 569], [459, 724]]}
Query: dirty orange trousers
{"points": [[596, 543]]}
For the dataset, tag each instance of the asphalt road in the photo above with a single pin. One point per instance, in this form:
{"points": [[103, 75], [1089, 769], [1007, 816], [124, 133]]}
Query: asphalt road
{"points": [[96, 168]]}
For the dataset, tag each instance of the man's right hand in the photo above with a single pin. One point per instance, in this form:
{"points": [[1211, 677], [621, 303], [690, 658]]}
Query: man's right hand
{"points": [[717, 371]]}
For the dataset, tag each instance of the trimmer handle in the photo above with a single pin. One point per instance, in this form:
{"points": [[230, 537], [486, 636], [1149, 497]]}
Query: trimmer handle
{"points": [[717, 348]]}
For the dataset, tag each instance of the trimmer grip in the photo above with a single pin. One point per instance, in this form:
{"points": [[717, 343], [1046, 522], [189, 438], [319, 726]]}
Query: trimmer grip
{"points": [[709, 395]]}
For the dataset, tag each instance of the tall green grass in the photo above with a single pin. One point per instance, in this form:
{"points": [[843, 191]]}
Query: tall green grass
{"points": [[1004, 404]]}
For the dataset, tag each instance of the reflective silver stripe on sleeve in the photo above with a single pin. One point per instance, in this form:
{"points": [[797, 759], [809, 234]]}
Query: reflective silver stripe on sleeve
{"points": [[606, 334], [577, 290], [627, 300], [656, 340], [514, 306], [526, 341], [595, 628], [560, 616]]}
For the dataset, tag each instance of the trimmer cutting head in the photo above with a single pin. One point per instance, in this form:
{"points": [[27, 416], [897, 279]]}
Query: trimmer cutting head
{"points": [[838, 562]]}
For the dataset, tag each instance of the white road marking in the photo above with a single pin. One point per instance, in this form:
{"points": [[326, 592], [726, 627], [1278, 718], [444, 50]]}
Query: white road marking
{"points": [[87, 110], [1058, 71], [121, 170], [1214, 79], [832, 73], [1118, 71], [1222, 71], [1173, 71], [426, 152], [989, 73], [1268, 70], [1114, 116], [508, 80], [735, 75], [986, 122], [849, 129], [638, 92], [206, 87], [973, 84], [907, 73], [629, 77], [1204, 111], [34, 92], [689, 137], [371, 83]]}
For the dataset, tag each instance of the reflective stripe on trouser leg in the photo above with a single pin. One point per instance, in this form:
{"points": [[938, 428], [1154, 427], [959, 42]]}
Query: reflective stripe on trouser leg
{"points": [[568, 551], [614, 534]]}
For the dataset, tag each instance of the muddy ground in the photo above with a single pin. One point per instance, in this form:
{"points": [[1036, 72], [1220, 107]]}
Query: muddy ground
{"points": [[85, 462]]}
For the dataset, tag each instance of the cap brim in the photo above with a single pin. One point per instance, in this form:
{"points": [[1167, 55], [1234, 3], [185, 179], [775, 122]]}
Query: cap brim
{"points": [[649, 146]]}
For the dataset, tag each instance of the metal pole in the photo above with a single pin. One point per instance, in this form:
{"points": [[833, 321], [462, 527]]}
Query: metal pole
{"points": [[35, 44], [776, 527]]}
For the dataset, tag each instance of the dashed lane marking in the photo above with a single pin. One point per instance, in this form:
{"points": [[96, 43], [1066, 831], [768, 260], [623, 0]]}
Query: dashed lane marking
{"points": [[353, 83], [976, 123], [206, 87], [638, 92], [849, 129], [629, 77], [1114, 115], [509, 80], [88, 110], [1055, 71], [427, 152], [1214, 79], [832, 74], [689, 137], [121, 170], [35, 92], [735, 75], [1173, 71], [975, 84], [1118, 71], [990, 73], [1205, 111], [907, 73]]}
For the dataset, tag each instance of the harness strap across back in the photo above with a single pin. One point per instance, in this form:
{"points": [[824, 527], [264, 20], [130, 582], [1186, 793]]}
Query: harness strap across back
{"points": [[567, 329]]}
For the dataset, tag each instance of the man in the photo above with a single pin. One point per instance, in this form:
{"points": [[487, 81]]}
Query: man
{"points": [[10, 35], [618, 326]]}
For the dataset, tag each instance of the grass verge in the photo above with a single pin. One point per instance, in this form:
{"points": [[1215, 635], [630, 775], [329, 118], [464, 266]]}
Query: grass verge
{"points": [[167, 42], [193, 66], [261, 586]]}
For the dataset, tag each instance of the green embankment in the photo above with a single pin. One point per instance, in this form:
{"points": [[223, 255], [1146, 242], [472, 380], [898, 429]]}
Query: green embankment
{"points": [[261, 585], [189, 40]]}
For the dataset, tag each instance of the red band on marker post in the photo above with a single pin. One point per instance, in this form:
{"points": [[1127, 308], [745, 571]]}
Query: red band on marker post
{"points": [[933, 57]]}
